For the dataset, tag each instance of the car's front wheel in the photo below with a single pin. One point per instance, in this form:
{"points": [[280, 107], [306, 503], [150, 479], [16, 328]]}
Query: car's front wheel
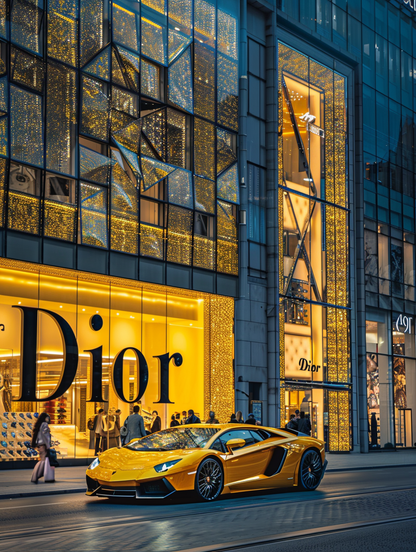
{"points": [[310, 470], [209, 479]]}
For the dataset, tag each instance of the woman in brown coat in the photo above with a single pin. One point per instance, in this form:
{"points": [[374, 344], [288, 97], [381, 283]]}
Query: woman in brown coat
{"points": [[41, 439]]}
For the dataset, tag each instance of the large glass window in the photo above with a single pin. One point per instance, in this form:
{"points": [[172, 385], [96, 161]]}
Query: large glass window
{"points": [[168, 351], [313, 229]]}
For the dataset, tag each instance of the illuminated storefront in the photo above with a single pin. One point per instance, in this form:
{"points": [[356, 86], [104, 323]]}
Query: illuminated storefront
{"points": [[313, 230], [176, 349]]}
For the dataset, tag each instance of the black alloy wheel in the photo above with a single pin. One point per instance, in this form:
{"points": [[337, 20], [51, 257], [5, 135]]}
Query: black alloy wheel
{"points": [[209, 479], [310, 470]]}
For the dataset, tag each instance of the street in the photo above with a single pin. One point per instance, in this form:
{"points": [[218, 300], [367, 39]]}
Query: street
{"points": [[355, 510]]}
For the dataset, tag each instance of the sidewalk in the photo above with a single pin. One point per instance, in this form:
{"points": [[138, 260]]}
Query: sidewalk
{"points": [[16, 483]]}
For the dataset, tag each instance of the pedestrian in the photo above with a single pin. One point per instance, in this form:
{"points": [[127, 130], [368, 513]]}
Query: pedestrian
{"points": [[156, 422], [103, 429], [239, 417], [303, 424], [192, 419], [178, 418], [212, 419], [184, 417], [41, 439], [174, 421], [98, 424], [233, 419], [251, 419], [292, 423], [135, 425], [308, 424], [117, 427]]}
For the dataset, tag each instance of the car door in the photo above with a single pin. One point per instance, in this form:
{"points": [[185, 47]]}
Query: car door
{"points": [[246, 462]]}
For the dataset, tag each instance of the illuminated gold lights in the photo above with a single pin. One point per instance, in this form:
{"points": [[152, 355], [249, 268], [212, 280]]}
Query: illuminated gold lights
{"points": [[179, 235], [152, 241], [204, 253], [23, 213], [331, 274], [218, 377], [60, 220]]}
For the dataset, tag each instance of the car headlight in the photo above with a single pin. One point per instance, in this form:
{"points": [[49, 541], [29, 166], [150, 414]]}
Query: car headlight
{"points": [[94, 464], [166, 465]]}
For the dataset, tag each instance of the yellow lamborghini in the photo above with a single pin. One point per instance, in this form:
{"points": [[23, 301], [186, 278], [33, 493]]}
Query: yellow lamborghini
{"points": [[210, 460]]}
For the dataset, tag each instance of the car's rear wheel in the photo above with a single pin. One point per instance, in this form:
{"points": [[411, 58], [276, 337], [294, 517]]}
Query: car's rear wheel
{"points": [[310, 470], [209, 479]]}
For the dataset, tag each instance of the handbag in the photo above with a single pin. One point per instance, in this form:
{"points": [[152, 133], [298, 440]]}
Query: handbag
{"points": [[123, 431], [53, 461]]}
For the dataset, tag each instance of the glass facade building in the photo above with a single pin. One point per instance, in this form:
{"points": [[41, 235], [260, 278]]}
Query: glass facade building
{"points": [[228, 181], [118, 213]]}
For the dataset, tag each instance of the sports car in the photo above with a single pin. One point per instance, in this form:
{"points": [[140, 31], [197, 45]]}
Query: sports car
{"points": [[210, 460]]}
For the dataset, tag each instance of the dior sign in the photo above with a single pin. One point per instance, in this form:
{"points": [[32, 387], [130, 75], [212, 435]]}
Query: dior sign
{"points": [[307, 366], [70, 362]]}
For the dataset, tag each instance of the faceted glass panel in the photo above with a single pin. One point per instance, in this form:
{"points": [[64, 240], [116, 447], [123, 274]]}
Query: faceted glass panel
{"points": [[93, 166], [227, 185], [26, 126], [132, 161], [23, 213], [124, 212], [93, 219], [178, 42], [204, 149], [227, 246], [154, 127], [61, 119], [154, 171], [180, 188], [116, 72], [131, 66], [129, 136], [204, 195], [152, 242], [150, 84], [100, 65], [204, 252], [4, 136], [180, 82], [154, 40], [125, 101], [125, 27], [4, 100], [204, 81], [178, 149], [226, 149], [60, 220], [27, 70], [63, 38], [227, 92], [3, 18], [228, 33], [25, 23], [205, 21], [95, 109], [91, 29], [179, 235]]}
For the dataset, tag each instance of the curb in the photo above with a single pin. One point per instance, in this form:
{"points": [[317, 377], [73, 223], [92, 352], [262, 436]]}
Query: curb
{"points": [[370, 467], [45, 493]]}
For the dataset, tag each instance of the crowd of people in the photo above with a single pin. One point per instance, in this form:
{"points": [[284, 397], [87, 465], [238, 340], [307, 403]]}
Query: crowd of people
{"points": [[299, 421], [134, 428]]}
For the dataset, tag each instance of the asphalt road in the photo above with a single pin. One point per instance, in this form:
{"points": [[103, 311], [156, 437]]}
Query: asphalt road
{"points": [[365, 510]]}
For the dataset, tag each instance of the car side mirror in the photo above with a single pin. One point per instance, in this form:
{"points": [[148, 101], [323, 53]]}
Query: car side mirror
{"points": [[234, 444]]}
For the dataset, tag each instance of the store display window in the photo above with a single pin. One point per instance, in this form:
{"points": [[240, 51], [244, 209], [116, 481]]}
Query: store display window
{"points": [[313, 229], [74, 343]]}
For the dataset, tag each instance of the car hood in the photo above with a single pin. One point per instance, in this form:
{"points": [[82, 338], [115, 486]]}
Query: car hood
{"points": [[127, 459]]}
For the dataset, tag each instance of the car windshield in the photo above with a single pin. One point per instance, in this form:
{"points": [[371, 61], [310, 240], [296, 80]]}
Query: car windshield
{"points": [[175, 438]]}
